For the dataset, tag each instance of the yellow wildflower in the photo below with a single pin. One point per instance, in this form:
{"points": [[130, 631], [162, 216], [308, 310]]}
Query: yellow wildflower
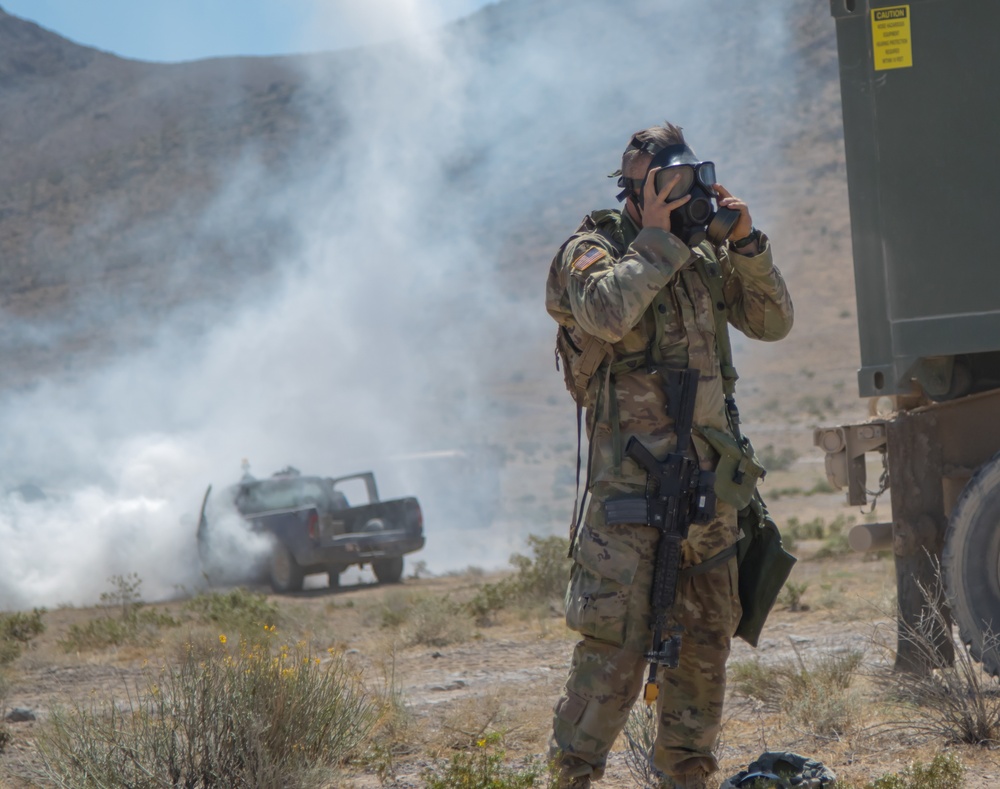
{"points": [[222, 638]]}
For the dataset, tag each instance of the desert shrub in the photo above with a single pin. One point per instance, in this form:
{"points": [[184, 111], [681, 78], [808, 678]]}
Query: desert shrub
{"points": [[814, 529], [258, 715], [791, 594], [836, 541], [437, 622], [483, 767], [17, 629], [238, 609], [818, 695], [777, 459], [944, 772], [954, 699], [430, 620], [126, 618], [539, 578]]}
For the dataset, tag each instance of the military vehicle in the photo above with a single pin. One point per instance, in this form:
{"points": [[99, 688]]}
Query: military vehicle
{"points": [[305, 525], [921, 122]]}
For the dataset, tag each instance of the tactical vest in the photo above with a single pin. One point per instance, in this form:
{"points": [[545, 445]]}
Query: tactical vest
{"points": [[581, 356]]}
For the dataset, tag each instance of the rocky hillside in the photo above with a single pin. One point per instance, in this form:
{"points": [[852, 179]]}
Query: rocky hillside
{"points": [[133, 193]]}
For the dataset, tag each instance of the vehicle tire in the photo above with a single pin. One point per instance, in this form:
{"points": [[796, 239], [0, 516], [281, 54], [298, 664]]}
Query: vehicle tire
{"points": [[284, 572], [972, 565], [388, 571]]}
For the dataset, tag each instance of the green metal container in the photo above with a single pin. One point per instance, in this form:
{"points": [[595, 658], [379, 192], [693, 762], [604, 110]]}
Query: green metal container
{"points": [[920, 85]]}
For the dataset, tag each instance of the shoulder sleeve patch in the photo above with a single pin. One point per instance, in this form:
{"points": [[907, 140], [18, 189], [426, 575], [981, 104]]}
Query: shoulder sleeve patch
{"points": [[588, 258]]}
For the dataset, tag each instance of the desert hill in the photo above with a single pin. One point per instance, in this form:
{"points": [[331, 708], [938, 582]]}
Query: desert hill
{"points": [[105, 163], [337, 261]]}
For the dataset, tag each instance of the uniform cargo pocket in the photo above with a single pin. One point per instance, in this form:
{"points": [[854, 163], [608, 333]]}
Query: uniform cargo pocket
{"points": [[600, 586]]}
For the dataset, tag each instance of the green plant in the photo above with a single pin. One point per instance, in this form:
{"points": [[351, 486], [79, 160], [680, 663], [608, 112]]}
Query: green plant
{"points": [[836, 543], [256, 715], [540, 578], [133, 619], [944, 772], [17, 629], [777, 460], [791, 595], [237, 609], [483, 768], [431, 620], [437, 622]]}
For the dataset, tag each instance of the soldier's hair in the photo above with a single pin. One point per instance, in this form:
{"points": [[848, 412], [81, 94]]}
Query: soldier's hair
{"points": [[665, 134]]}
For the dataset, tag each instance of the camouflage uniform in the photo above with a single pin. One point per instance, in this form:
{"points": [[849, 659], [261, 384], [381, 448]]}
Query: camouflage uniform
{"points": [[631, 288]]}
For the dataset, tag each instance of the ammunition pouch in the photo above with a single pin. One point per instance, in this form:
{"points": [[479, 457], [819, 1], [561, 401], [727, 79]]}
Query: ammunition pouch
{"points": [[764, 566], [738, 470]]}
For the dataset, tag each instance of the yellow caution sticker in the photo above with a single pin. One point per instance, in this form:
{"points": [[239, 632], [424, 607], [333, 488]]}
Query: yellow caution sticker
{"points": [[891, 42]]}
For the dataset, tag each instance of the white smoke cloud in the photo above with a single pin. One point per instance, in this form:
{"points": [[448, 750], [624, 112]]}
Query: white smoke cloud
{"points": [[399, 326]]}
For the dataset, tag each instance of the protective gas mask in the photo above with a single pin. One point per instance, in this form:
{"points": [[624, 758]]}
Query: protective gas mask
{"points": [[699, 218]]}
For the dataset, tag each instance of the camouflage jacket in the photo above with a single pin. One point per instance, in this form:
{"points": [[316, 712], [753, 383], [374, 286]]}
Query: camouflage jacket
{"points": [[631, 288]]}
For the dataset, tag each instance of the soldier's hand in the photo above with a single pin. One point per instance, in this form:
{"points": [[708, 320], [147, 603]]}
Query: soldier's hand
{"points": [[744, 226], [656, 210]]}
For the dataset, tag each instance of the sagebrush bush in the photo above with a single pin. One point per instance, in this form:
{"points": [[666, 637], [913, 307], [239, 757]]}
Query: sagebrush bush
{"points": [[428, 620], [483, 767], [944, 772], [258, 715], [777, 459], [538, 579], [237, 609], [126, 619], [17, 629]]}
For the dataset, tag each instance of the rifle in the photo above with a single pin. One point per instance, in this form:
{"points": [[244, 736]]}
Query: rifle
{"points": [[684, 494]]}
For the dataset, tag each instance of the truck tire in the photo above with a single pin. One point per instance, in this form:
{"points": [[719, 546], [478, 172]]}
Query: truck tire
{"points": [[972, 565], [388, 571], [284, 572]]}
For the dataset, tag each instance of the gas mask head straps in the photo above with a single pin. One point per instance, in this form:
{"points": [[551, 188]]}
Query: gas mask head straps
{"points": [[634, 185]]}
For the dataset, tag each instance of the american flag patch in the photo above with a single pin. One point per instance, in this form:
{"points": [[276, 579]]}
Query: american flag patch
{"points": [[588, 258]]}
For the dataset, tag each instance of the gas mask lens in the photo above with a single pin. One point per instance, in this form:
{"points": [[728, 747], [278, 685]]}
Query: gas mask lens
{"points": [[683, 185], [704, 172]]}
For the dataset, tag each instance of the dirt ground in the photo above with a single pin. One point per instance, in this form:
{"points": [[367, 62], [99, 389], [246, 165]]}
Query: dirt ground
{"points": [[505, 678]]}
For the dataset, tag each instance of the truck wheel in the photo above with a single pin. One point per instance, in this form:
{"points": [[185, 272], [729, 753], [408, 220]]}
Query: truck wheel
{"points": [[388, 571], [972, 565], [285, 573]]}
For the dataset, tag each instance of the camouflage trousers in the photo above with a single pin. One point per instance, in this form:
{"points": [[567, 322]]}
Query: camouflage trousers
{"points": [[607, 602]]}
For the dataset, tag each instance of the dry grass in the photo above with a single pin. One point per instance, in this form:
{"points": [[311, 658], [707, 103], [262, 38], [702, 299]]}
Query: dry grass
{"points": [[954, 701], [817, 694], [818, 702], [259, 715]]}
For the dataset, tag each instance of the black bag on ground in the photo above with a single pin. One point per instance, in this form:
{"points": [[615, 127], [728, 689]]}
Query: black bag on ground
{"points": [[764, 567]]}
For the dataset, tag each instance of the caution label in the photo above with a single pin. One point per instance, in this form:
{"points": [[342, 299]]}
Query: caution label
{"points": [[891, 37]]}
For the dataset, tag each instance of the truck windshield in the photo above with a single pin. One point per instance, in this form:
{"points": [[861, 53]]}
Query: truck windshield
{"points": [[283, 494]]}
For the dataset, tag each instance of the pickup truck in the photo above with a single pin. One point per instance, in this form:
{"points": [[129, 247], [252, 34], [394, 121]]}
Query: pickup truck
{"points": [[302, 525]]}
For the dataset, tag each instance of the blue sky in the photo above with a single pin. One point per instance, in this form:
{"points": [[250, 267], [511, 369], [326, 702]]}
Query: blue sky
{"points": [[172, 30]]}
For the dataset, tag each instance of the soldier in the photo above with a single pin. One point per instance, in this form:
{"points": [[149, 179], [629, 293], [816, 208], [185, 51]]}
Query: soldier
{"points": [[629, 283]]}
